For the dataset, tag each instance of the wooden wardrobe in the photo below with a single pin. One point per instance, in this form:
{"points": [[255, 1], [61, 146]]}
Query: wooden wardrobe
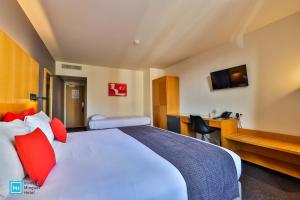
{"points": [[165, 99]]}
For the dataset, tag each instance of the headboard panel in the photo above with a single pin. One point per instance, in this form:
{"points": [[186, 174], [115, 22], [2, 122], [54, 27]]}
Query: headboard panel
{"points": [[19, 76]]}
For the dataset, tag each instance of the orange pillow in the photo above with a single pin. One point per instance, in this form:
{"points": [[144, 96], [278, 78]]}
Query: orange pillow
{"points": [[36, 155], [58, 129]]}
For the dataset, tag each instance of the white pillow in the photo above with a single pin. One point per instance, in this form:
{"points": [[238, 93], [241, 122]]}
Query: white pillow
{"points": [[97, 117], [42, 121], [43, 116], [11, 168]]}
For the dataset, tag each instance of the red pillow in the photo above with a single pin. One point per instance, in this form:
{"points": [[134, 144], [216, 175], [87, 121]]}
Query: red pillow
{"points": [[58, 129], [36, 155], [9, 116], [29, 112]]}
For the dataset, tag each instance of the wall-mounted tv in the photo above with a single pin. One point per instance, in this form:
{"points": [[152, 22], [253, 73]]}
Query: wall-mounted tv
{"points": [[229, 78]]}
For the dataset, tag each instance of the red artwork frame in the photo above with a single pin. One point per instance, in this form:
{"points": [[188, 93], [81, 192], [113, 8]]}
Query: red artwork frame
{"points": [[117, 89]]}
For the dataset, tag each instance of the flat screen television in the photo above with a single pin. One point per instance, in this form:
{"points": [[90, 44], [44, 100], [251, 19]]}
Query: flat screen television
{"points": [[229, 78]]}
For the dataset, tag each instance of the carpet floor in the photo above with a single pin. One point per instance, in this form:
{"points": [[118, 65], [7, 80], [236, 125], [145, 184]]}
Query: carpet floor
{"points": [[259, 183]]}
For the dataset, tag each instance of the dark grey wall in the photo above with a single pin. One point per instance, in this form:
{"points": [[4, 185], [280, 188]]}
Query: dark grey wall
{"points": [[15, 23], [58, 98]]}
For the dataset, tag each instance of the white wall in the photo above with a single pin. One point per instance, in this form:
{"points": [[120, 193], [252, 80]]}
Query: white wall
{"points": [[98, 101], [149, 75], [67, 72], [272, 100]]}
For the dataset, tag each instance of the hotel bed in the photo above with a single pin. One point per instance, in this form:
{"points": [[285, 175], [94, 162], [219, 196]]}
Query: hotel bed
{"points": [[98, 122], [115, 164]]}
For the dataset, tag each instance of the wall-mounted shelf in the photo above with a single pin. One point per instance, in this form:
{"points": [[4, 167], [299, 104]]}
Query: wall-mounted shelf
{"points": [[275, 144], [278, 152]]}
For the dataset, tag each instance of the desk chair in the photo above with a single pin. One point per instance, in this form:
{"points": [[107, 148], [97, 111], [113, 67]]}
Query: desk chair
{"points": [[198, 125]]}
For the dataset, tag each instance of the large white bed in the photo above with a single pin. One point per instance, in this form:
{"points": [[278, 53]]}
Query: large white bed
{"points": [[108, 164]]}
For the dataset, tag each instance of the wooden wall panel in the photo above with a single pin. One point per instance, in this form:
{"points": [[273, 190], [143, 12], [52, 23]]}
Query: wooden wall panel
{"points": [[19, 76]]}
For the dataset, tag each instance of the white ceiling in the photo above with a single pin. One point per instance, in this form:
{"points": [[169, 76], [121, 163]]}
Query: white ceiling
{"points": [[101, 32]]}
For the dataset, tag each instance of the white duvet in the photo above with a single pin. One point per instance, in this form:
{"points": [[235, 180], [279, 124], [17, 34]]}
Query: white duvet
{"points": [[108, 165]]}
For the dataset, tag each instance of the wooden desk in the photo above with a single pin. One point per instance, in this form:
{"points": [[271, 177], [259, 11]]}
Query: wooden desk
{"points": [[227, 126]]}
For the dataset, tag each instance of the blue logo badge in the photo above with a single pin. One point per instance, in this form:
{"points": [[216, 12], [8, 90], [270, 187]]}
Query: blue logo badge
{"points": [[16, 187]]}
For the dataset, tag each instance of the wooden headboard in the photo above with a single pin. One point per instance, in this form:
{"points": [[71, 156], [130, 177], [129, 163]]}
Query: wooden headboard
{"points": [[19, 76]]}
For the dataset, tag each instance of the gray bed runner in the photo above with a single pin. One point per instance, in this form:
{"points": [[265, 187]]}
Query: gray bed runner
{"points": [[209, 172]]}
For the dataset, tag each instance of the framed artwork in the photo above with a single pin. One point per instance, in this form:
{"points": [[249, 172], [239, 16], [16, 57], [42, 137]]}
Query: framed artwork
{"points": [[117, 89]]}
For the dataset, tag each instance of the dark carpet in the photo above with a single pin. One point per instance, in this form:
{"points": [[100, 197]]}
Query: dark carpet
{"points": [[259, 183]]}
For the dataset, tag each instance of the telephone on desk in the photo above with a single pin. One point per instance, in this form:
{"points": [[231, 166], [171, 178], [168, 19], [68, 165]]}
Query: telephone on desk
{"points": [[224, 115]]}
